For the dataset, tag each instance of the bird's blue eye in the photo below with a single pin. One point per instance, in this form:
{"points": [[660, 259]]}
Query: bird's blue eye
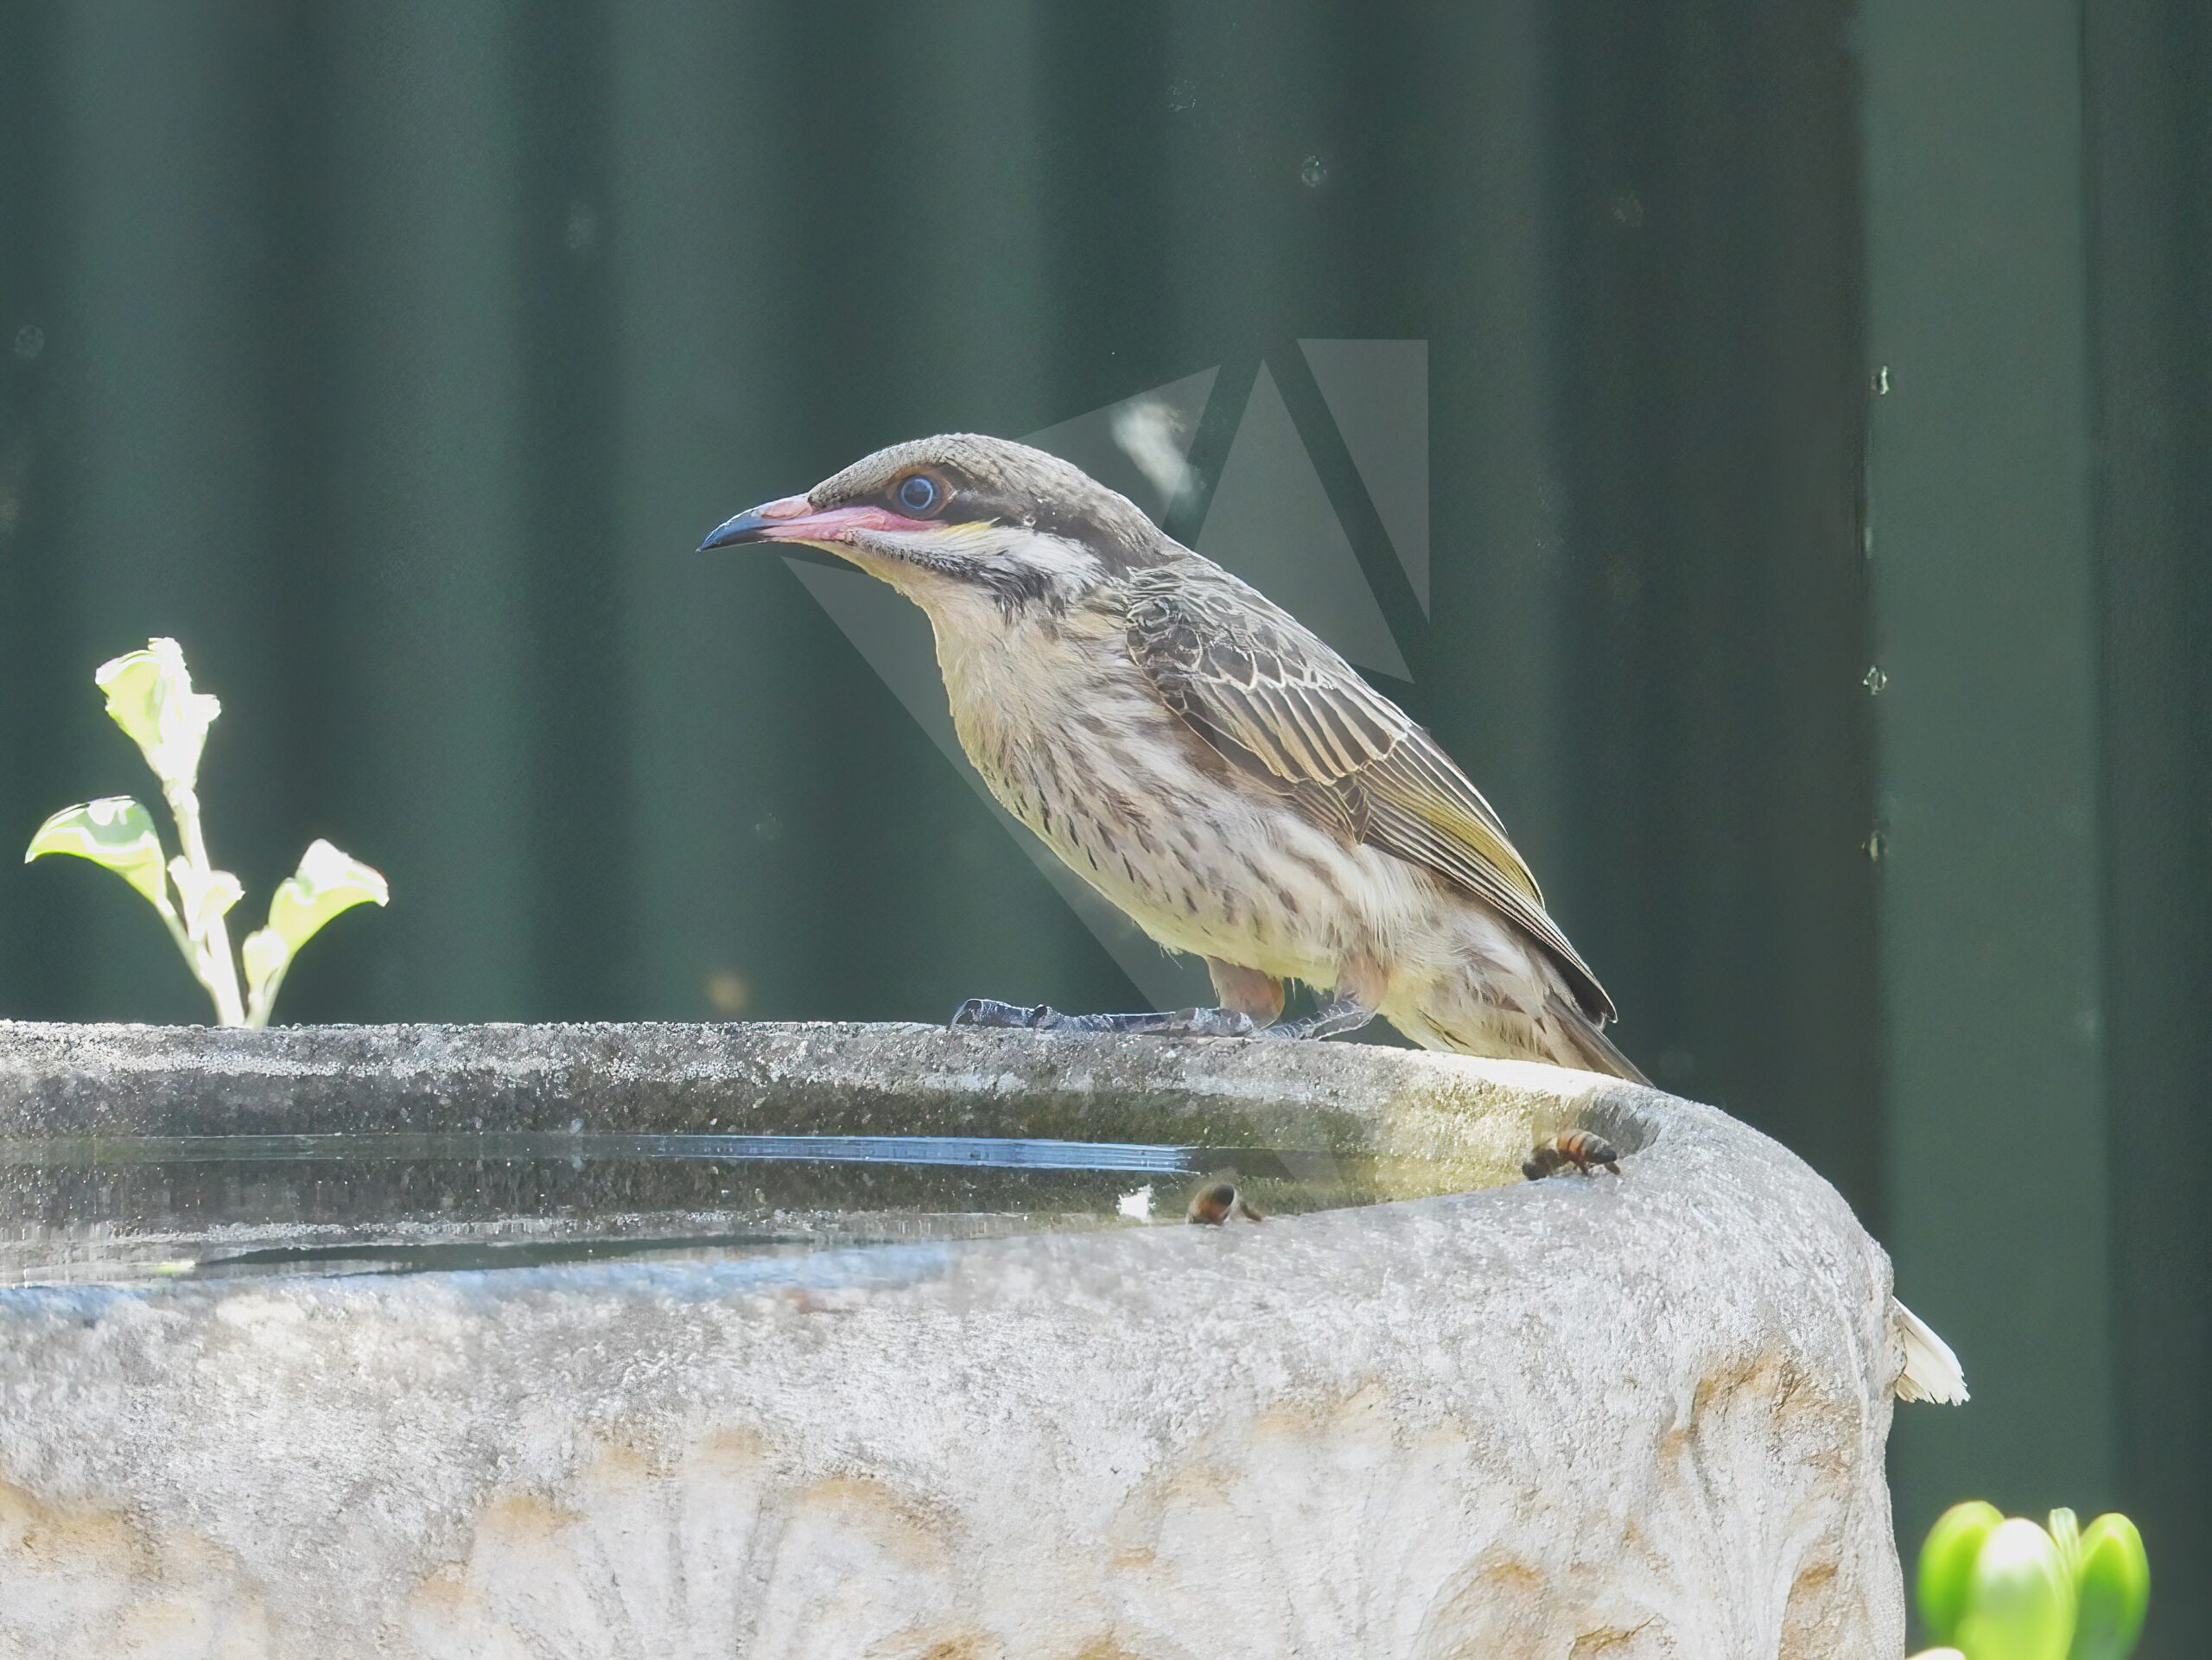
{"points": [[918, 493]]}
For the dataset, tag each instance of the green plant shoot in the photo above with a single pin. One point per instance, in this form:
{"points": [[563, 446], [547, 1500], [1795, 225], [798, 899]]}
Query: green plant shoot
{"points": [[149, 696]]}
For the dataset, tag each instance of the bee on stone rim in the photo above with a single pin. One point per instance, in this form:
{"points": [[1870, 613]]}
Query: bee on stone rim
{"points": [[1201, 758], [1219, 1202], [1578, 1148]]}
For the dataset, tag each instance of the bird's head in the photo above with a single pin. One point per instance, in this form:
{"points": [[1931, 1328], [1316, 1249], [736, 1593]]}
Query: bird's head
{"points": [[959, 521]]}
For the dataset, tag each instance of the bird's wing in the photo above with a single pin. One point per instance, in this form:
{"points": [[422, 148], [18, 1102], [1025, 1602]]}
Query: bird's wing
{"points": [[1270, 696]]}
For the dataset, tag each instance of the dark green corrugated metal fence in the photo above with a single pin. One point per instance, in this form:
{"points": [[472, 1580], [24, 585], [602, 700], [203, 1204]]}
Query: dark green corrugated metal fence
{"points": [[394, 357]]}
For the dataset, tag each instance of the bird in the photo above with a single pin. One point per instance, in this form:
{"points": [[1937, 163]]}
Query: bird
{"points": [[1209, 766], [1205, 761]]}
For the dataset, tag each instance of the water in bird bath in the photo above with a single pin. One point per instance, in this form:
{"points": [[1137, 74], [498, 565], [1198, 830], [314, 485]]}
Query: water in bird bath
{"points": [[103, 1208]]}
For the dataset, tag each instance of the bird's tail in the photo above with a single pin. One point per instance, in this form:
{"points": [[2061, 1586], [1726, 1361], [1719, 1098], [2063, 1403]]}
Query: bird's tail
{"points": [[1931, 1370], [1591, 1047]]}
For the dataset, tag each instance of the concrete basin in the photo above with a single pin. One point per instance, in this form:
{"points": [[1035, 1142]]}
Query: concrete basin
{"points": [[1640, 1415]]}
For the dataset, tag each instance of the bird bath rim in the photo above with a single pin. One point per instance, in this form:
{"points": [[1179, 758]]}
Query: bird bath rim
{"points": [[345, 1108]]}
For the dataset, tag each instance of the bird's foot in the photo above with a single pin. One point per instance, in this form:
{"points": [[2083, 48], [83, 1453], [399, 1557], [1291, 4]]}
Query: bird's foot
{"points": [[1345, 1014], [1167, 1023], [1327, 1021]]}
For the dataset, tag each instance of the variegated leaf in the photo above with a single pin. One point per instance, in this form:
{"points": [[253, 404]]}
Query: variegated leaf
{"points": [[149, 696], [326, 882], [114, 832]]}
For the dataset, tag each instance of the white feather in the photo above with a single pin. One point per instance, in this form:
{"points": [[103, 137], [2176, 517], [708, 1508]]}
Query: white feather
{"points": [[1931, 1370]]}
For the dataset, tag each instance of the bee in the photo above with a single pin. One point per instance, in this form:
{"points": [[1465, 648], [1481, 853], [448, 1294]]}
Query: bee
{"points": [[1576, 1147], [1217, 1203]]}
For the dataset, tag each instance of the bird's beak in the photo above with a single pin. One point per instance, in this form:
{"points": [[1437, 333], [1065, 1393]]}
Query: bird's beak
{"points": [[774, 521]]}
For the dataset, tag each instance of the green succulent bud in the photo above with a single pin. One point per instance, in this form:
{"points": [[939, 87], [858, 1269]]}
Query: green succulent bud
{"points": [[2020, 1601], [2065, 1530], [1946, 1564], [2113, 1587]]}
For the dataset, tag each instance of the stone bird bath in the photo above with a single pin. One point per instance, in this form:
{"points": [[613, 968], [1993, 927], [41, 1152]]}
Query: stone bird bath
{"points": [[1631, 1416]]}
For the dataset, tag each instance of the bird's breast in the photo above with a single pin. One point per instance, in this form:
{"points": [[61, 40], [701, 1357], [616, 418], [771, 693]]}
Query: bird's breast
{"points": [[1206, 858]]}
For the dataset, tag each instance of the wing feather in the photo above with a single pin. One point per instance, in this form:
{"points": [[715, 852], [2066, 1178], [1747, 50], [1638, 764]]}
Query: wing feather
{"points": [[1270, 696]]}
